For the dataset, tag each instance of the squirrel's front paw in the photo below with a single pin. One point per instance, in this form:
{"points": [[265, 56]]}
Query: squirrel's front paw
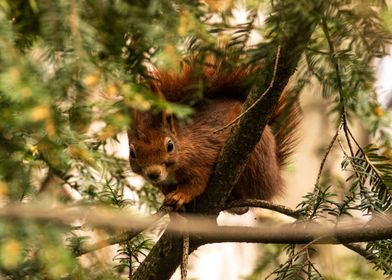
{"points": [[177, 199]]}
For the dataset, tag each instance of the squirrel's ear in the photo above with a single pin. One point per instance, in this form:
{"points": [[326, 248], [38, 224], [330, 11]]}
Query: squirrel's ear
{"points": [[168, 122], [171, 124]]}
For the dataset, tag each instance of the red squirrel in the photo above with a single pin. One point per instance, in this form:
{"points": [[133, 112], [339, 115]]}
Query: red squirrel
{"points": [[179, 157]]}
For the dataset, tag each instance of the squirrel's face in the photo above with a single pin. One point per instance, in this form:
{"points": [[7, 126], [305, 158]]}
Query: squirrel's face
{"points": [[154, 156]]}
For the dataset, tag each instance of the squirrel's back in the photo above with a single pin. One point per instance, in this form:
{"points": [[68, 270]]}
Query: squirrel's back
{"points": [[261, 177]]}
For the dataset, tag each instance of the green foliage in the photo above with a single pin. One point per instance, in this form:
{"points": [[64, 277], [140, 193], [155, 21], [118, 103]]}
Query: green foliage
{"points": [[64, 70], [131, 253], [369, 193], [341, 51], [298, 266], [371, 179], [70, 71]]}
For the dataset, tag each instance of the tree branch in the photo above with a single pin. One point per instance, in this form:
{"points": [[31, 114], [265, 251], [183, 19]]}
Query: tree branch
{"points": [[379, 227], [262, 204], [296, 234], [359, 250], [84, 249], [204, 230]]}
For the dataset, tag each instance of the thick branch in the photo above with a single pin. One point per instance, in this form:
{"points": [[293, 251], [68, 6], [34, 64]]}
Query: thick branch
{"points": [[291, 234], [246, 134], [204, 230], [128, 235]]}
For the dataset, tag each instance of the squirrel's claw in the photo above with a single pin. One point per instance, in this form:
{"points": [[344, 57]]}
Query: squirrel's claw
{"points": [[177, 199]]}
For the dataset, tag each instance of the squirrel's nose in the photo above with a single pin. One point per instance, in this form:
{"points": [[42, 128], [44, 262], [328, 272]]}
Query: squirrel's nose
{"points": [[154, 175]]}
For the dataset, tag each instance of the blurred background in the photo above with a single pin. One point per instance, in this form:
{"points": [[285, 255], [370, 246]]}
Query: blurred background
{"points": [[70, 71]]}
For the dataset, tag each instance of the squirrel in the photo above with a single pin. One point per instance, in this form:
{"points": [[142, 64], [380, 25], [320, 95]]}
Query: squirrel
{"points": [[179, 157]]}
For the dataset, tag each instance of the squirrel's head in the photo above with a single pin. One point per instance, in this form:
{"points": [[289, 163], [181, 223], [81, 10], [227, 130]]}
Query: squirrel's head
{"points": [[153, 149]]}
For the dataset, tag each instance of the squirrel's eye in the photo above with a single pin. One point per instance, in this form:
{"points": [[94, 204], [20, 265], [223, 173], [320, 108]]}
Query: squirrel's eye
{"points": [[132, 152], [170, 146]]}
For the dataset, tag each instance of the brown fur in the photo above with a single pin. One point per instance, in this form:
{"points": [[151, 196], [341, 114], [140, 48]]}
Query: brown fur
{"points": [[184, 172]]}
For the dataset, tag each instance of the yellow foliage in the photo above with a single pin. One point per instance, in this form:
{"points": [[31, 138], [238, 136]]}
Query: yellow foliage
{"points": [[111, 91], [40, 112], [3, 189], [379, 111], [81, 153], [43, 113], [26, 92], [219, 5], [50, 128], [106, 133], [11, 253], [119, 118], [140, 103], [184, 21], [56, 265], [49, 153], [33, 150], [92, 80]]}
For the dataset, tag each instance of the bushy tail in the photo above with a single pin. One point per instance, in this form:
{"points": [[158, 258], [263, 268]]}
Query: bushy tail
{"points": [[285, 122], [210, 79], [216, 81]]}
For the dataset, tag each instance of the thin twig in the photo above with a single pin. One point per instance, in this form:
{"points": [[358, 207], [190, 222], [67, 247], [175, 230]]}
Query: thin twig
{"points": [[335, 63], [355, 141], [359, 250], [262, 204], [260, 97], [332, 56], [323, 161], [326, 156], [305, 247], [346, 131], [185, 256], [315, 268]]}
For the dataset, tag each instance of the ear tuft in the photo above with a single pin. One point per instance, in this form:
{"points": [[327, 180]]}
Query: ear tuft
{"points": [[168, 122]]}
